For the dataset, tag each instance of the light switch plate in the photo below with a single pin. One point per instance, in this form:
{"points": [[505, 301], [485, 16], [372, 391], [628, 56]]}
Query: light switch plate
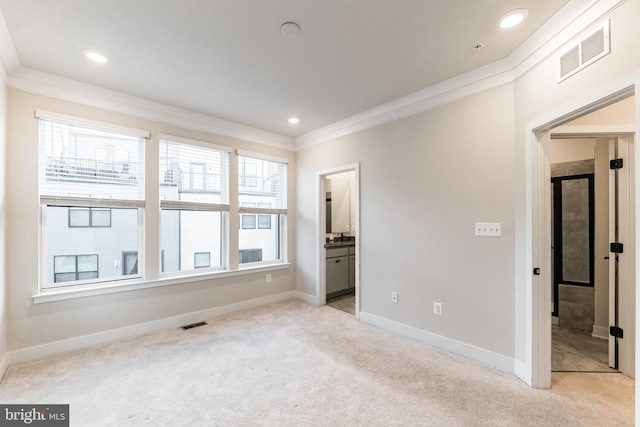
{"points": [[489, 229]]}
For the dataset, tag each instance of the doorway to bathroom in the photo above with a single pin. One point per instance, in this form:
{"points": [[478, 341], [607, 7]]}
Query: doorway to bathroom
{"points": [[338, 239], [580, 217]]}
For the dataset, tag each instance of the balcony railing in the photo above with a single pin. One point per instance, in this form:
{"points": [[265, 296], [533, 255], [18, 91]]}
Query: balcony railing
{"points": [[90, 170]]}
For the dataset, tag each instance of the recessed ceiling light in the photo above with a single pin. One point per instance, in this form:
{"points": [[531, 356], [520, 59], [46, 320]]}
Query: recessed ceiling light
{"points": [[513, 18], [96, 56], [290, 29], [293, 120]]}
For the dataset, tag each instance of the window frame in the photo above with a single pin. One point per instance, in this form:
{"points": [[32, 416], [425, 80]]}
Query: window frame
{"points": [[179, 205], [248, 208], [147, 278], [90, 210], [54, 198], [76, 272]]}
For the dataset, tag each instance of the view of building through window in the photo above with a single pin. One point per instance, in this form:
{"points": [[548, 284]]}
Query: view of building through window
{"points": [[87, 177], [92, 188], [262, 195], [194, 198]]}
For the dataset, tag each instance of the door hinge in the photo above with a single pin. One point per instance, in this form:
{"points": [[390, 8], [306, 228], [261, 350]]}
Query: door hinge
{"points": [[617, 248], [616, 164], [616, 332], [536, 271]]}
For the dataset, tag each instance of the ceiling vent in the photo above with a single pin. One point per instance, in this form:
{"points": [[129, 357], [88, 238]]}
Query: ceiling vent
{"points": [[588, 50]]}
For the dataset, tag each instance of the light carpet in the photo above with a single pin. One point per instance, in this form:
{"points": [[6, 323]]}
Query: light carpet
{"points": [[295, 364]]}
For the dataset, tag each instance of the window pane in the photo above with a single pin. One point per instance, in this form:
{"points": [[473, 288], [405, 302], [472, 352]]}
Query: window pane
{"points": [[193, 173], [202, 259], [65, 264], [97, 250], [263, 182], [262, 196], [129, 263], [184, 233], [264, 221], [87, 263], [101, 217], [65, 277], [78, 217], [248, 221], [88, 275], [76, 161], [265, 239]]}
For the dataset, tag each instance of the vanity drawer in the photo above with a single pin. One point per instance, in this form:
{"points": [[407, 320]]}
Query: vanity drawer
{"points": [[336, 252]]}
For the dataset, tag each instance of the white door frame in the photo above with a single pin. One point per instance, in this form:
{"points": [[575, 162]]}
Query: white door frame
{"points": [[321, 285], [535, 368]]}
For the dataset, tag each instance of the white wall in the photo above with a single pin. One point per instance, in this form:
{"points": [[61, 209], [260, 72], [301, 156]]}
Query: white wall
{"points": [[35, 324], [539, 97], [424, 181], [571, 150]]}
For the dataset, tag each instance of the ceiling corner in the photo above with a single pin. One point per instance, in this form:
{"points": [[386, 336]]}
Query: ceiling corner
{"points": [[8, 54]]}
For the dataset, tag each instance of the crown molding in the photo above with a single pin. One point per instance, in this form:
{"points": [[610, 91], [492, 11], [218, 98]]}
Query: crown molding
{"points": [[49, 85], [574, 18], [475, 81], [570, 21], [8, 54]]}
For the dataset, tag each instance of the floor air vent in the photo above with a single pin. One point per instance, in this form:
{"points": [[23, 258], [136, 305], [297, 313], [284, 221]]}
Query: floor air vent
{"points": [[193, 325], [590, 48]]}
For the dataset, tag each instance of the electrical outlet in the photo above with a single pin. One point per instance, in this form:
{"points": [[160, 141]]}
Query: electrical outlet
{"points": [[437, 308], [268, 278], [394, 297], [489, 229]]}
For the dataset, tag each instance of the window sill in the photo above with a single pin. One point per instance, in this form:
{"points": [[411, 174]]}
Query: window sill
{"points": [[81, 291]]}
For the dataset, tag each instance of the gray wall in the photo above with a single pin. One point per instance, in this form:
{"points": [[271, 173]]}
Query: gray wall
{"points": [[425, 181]]}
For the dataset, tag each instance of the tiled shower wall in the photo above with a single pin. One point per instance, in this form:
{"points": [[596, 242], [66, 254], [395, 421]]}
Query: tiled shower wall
{"points": [[576, 303]]}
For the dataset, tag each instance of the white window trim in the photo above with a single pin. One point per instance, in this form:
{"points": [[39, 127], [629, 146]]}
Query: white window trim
{"points": [[81, 202], [126, 285], [197, 143], [193, 206], [93, 124], [260, 156]]}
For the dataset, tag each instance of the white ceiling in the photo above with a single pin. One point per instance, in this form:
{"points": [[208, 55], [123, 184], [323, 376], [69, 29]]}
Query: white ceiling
{"points": [[228, 58]]}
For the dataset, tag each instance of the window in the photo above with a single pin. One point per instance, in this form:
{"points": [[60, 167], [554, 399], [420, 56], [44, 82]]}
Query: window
{"points": [[89, 217], [91, 196], [262, 196], [264, 221], [194, 202], [248, 222], [129, 263], [202, 259], [250, 255], [69, 268]]}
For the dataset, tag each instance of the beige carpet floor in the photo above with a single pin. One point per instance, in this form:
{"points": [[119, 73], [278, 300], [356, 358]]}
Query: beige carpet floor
{"points": [[294, 364]]}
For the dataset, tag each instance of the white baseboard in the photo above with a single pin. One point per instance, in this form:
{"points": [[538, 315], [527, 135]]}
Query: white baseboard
{"points": [[523, 372], [600, 332], [458, 347], [4, 365], [311, 299], [77, 343]]}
